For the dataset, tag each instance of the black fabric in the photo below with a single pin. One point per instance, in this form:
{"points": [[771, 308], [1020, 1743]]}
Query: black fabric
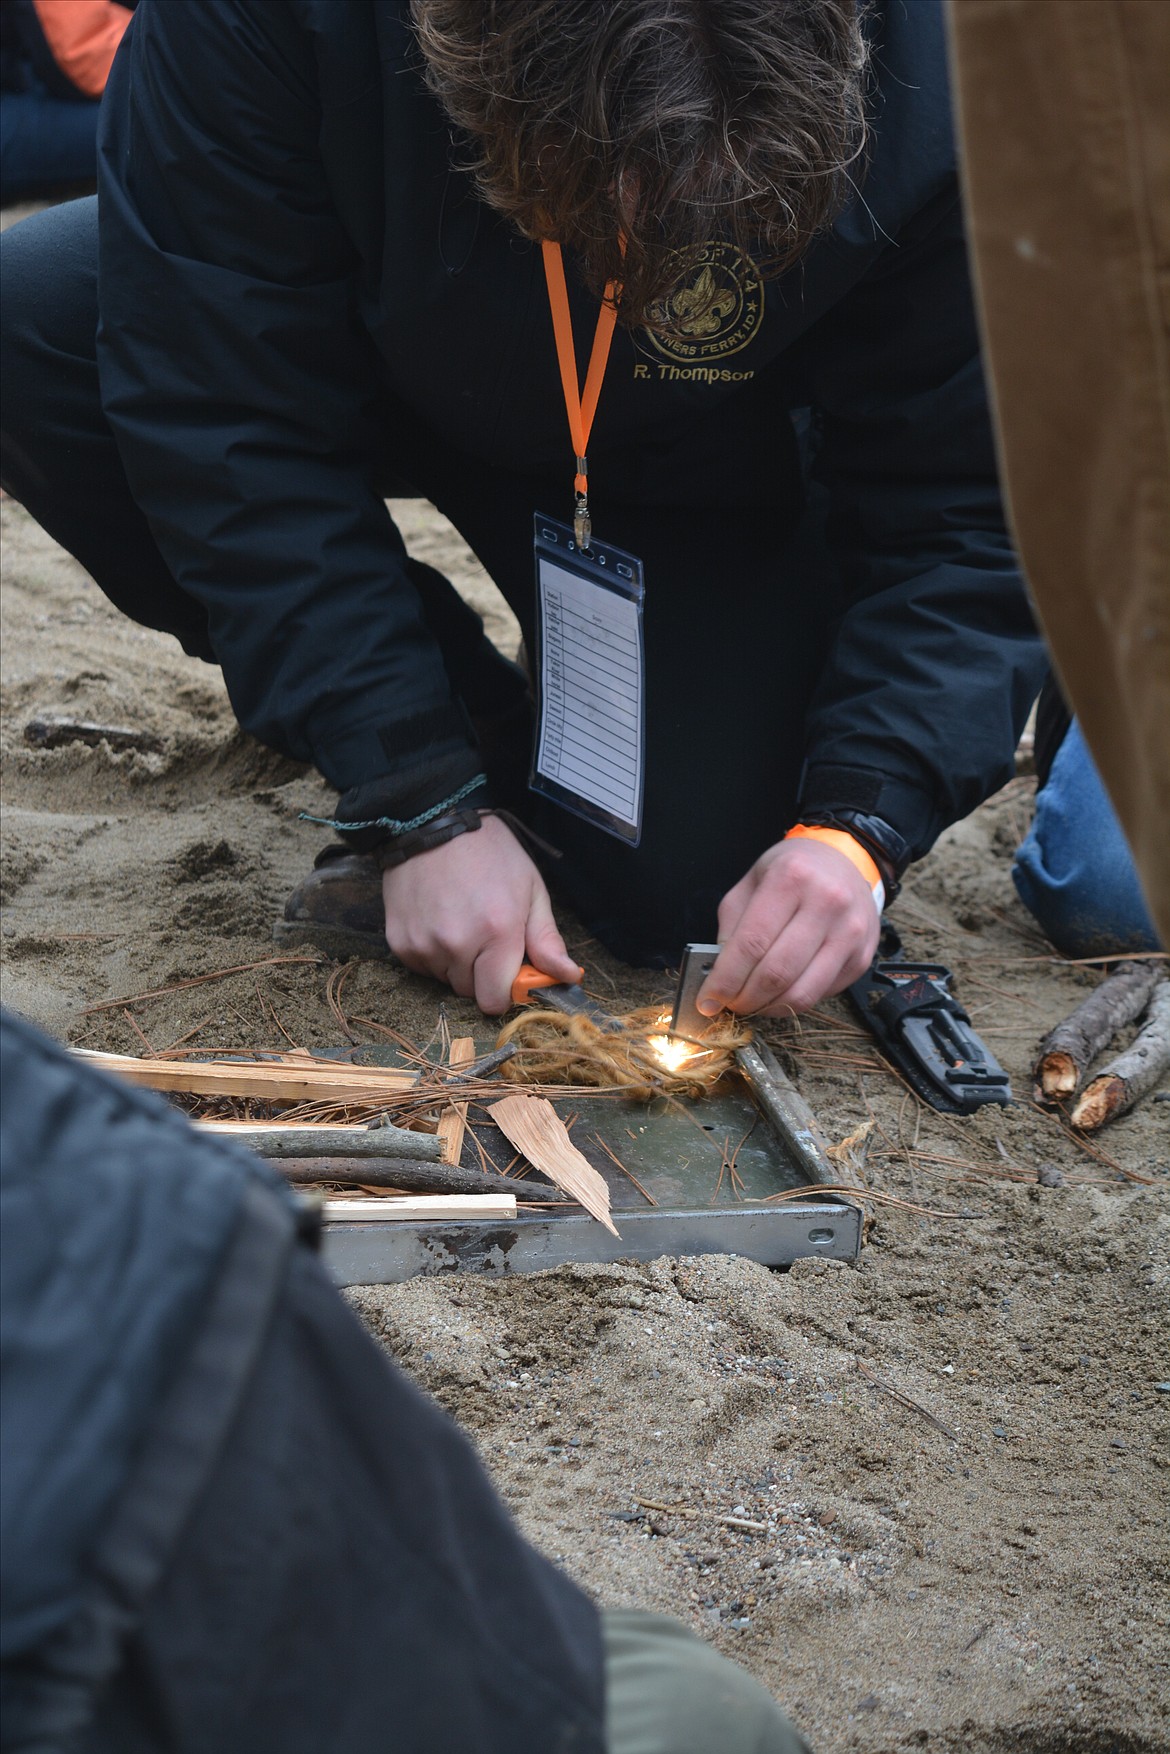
{"points": [[58, 1687], [229, 1526], [356, 1585], [850, 788], [1053, 718], [108, 1252], [277, 190]]}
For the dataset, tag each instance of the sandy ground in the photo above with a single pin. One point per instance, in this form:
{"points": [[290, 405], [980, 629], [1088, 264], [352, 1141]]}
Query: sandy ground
{"points": [[1005, 1591]]}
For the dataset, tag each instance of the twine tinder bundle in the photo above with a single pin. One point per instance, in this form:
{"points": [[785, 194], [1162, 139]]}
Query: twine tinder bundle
{"points": [[636, 1055]]}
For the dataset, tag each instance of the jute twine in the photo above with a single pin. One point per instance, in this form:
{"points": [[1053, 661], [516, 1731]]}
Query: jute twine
{"points": [[555, 1049]]}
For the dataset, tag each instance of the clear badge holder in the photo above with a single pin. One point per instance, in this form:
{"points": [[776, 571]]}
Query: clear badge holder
{"points": [[590, 743]]}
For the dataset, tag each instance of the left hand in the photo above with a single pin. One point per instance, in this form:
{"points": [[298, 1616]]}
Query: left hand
{"points": [[801, 924]]}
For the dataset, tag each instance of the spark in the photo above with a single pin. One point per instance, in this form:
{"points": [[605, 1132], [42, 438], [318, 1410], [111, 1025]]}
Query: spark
{"points": [[671, 1052]]}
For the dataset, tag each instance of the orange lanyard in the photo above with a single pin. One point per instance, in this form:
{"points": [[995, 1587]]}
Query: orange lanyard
{"points": [[579, 407]]}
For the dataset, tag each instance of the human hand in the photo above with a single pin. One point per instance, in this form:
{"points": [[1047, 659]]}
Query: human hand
{"points": [[470, 912], [800, 925]]}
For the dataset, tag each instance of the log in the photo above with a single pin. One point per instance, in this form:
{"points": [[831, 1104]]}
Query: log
{"points": [[442, 1209], [417, 1178], [1068, 1050], [1127, 1078], [453, 1120], [305, 1080], [533, 1126], [328, 1139]]}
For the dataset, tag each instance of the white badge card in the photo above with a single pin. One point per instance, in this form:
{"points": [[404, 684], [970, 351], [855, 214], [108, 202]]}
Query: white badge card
{"points": [[590, 745]]}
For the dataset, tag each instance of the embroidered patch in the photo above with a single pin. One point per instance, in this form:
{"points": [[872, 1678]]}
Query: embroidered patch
{"points": [[716, 309]]}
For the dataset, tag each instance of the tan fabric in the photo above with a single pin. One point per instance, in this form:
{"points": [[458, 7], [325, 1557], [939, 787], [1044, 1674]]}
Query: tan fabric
{"points": [[1064, 113]]}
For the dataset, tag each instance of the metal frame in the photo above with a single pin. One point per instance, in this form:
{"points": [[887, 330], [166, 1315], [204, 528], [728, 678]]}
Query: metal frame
{"points": [[775, 1235], [386, 1254]]}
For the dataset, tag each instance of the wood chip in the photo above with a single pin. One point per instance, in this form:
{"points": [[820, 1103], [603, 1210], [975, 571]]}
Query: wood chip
{"points": [[532, 1125]]}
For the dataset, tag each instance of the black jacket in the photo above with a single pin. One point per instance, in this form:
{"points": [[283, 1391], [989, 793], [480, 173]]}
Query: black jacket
{"points": [[283, 240], [228, 1526]]}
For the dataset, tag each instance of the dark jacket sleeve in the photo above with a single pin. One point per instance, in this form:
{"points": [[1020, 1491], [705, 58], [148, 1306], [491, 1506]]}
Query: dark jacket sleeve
{"points": [[228, 1523], [70, 44], [237, 379], [936, 659]]}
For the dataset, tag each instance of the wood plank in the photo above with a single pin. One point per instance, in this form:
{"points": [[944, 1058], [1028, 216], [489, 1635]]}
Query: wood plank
{"points": [[307, 1080], [453, 1120], [443, 1208], [532, 1125]]}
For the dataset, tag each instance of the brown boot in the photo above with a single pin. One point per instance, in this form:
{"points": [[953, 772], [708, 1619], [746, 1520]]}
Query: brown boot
{"points": [[338, 907]]}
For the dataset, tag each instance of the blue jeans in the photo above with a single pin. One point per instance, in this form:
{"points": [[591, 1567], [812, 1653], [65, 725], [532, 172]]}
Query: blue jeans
{"points": [[1074, 871]]}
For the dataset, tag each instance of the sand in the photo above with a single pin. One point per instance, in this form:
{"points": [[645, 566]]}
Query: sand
{"points": [[1000, 1588]]}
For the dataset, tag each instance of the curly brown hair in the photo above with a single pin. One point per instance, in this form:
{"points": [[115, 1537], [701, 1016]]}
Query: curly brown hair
{"points": [[666, 123]]}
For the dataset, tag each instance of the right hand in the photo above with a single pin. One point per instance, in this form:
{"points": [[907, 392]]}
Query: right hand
{"points": [[470, 912]]}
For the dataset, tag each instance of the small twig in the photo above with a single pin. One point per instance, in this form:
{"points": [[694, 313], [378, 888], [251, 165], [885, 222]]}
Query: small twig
{"points": [[393, 1035], [268, 1009], [139, 1033], [199, 980], [711, 1516], [645, 1192], [333, 988], [814, 1192], [179, 1040], [1076, 961], [412, 1177], [1089, 1148], [483, 1068], [907, 1401]]}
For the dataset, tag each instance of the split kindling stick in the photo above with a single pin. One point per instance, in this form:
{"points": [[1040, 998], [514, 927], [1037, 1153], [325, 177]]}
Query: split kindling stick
{"points": [[453, 1120]]}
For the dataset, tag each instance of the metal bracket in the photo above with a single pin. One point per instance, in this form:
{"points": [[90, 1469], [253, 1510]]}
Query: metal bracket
{"points": [[697, 962]]}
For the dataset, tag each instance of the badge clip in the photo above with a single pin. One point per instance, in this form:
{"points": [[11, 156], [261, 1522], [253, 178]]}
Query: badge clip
{"points": [[582, 522]]}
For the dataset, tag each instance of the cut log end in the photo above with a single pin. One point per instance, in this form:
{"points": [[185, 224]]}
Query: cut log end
{"points": [[1078, 1040], [1056, 1075], [1100, 1101], [1126, 1079]]}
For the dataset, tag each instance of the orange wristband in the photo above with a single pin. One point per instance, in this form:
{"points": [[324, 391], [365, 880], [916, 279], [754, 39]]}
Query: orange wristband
{"points": [[844, 843]]}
